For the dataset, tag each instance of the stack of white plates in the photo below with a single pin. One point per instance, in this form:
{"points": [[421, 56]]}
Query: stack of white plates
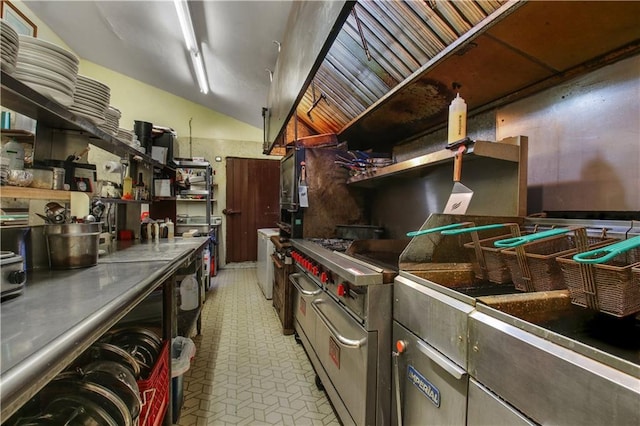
{"points": [[47, 68], [9, 42], [112, 120], [91, 99], [126, 136]]}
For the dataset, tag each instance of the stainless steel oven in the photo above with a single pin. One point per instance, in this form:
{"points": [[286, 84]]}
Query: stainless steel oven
{"points": [[342, 310], [289, 173]]}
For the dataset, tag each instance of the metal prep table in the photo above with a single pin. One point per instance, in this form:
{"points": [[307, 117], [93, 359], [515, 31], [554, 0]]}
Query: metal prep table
{"points": [[61, 313]]}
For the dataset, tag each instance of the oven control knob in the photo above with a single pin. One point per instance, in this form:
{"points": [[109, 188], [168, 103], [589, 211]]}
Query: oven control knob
{"points": [[341, 290], [315, 270], [401, 346], [324, 277], [17, 277]]}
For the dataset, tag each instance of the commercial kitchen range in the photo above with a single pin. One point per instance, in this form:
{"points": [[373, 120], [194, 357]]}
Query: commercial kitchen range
{"points": [[431, 334]]}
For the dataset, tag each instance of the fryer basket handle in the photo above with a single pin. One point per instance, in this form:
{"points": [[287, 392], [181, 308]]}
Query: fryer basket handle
{"points": [[474, 228], [610, 251], [438, 229], [518, 241]]}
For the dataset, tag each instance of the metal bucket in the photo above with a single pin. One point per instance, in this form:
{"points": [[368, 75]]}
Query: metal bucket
{"points": [[72, 245]]}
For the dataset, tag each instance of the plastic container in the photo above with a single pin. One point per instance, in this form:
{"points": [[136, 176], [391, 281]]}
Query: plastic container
{"points": [[14, 151], [127, 187], [457, 119], [170, 230], [189, 293], [182, 351], [42, 178], [154, 391]]}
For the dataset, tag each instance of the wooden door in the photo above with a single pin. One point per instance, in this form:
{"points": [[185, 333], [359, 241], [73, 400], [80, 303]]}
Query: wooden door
{"points": [[252, 203]]}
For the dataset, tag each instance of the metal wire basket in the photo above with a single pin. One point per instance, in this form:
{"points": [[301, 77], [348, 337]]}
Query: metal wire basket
{"points": [[533, 264], [485, 259], [611, 287]]}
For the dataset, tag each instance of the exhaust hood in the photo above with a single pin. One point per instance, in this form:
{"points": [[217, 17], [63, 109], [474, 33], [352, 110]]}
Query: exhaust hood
{"points": [[388, 73]]}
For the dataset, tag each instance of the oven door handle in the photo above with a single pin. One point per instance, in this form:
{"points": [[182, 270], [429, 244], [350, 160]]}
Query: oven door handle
{"points": [[441, 360], [293, 277], [344, 341]]}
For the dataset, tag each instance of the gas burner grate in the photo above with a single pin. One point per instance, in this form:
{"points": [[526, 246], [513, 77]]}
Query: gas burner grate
{"points": [[335, 244]]}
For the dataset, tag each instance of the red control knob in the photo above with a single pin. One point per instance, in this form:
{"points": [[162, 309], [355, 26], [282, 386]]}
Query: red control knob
{"points": [[401, 346], [341, 290], [324, 278], [315, 270]]}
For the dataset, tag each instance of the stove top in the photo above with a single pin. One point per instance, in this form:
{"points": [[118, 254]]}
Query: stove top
{"points": [[333, 244]]}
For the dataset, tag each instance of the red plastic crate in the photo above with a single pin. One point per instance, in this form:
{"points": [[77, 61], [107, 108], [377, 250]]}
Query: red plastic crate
{"points": [[154, 391]]}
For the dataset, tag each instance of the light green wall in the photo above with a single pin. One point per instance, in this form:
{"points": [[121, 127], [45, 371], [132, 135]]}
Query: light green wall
{"points": [[140, 101]]}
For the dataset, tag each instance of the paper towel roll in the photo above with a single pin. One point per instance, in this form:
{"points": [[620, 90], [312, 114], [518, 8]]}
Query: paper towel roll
{"points": [[112, 167]]}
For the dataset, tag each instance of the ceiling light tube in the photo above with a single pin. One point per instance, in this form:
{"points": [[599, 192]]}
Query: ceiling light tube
{"points": [[182, 7], [198, 65]]}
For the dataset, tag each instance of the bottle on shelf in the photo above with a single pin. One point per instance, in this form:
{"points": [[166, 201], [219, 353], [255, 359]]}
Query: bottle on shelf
{"points": [[139, 190], [457, 120]]}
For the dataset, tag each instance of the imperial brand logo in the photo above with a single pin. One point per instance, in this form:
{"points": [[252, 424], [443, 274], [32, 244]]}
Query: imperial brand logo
{"points": [[425, 386]]}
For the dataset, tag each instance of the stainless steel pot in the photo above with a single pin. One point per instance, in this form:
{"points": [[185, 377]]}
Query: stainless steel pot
{"points": [[72, 245]]}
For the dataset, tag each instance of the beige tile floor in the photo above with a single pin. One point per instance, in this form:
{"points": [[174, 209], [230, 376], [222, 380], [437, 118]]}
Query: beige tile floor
{"points": [[245, 371]]}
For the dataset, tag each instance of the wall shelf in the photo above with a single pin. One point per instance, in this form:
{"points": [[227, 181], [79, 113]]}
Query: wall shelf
{"points": [[34, 193], [21, 98], [496, 150]]}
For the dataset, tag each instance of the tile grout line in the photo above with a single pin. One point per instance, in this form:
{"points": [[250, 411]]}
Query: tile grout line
{"points": [[242, 355]]}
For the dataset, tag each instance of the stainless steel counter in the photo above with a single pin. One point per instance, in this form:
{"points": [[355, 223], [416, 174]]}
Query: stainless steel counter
{"points": [[152, 250], [61, 313]]}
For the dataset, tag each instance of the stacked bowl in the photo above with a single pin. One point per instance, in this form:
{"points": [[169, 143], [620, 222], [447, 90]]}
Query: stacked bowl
{"points": [[47, 68], [9, 43]]}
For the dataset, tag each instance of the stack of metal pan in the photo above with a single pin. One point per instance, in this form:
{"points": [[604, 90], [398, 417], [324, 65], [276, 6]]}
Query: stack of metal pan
{"points": [[101, 386]]}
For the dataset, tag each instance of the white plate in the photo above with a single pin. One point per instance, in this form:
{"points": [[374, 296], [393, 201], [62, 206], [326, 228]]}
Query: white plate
{"points": [[96, 119], [43, 82], [92, 108], [98, 85], [99, 98], [51, 93], [24, 69], [49, 54], [7, 67], [48, 62], [43, 65], [13, 48], [45, 45], [93, 94], [83, 98], [8, 31]]}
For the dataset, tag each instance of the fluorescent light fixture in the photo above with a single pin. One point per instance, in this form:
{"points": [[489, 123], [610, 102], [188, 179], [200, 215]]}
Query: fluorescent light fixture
{"points": [[182, 7], [198, 65]]}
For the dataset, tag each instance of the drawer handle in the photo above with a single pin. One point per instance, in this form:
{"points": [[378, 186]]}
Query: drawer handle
{"points": [[345, 341], [293, 280], [441, 360]]}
